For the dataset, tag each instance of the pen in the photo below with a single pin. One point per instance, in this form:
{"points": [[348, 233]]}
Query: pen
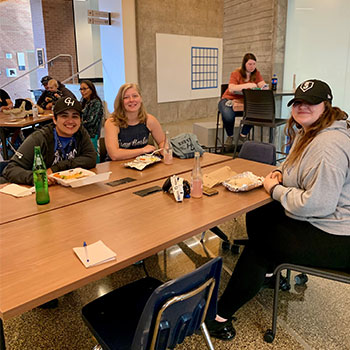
{"points": [[86, 252]]}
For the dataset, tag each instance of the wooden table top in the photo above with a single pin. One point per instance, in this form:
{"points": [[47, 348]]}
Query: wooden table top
{"points": [[10, 121], [37, 262], [16, 208]]}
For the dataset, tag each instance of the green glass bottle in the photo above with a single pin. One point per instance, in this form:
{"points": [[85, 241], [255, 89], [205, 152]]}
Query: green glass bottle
{"points": [[40, 178]]}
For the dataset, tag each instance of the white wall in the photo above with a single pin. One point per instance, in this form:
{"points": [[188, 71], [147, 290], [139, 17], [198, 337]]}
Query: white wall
{"points": [[318, 46], [87, 39]]}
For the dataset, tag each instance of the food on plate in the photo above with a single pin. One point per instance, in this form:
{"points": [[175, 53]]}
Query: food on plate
{"points": [[243, 182], [239, 182], [73, 175]]}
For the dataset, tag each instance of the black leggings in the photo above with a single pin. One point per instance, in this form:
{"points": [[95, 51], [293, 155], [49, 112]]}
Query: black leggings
{"points": [[274, 238]]}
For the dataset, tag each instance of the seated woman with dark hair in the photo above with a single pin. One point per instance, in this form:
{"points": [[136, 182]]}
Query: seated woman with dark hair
{"points": [[127, 131], [308, 221], [92, 114]]}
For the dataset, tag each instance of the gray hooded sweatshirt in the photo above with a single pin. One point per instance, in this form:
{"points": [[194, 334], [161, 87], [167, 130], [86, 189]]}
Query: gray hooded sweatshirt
{"points": [[317, 187]]}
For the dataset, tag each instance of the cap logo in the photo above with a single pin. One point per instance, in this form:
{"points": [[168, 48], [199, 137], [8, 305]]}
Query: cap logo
{"points": [[307, 85], [68, 101]]}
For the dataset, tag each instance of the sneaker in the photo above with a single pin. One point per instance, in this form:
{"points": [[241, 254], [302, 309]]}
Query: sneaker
{"points": [[229, 141], [243, 138], [221, 330]]}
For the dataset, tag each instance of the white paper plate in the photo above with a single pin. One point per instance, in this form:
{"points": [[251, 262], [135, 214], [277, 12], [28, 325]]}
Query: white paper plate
{"points": [[66, 177]]}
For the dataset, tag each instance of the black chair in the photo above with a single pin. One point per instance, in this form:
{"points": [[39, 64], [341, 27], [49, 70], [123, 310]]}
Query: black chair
{"points": [[259, 110], [102, 149], [223, 89], [149, 315], [335, 275]]}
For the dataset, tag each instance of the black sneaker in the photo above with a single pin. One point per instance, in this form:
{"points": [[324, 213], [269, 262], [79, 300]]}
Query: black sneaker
{"points": [[221, 330]]}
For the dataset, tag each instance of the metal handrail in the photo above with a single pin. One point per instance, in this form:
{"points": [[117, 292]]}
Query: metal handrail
{"points": [[83, 70], [40, 66]]}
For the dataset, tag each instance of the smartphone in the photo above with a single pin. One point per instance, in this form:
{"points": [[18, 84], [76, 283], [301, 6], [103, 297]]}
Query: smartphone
{"points": [[209, 191]]}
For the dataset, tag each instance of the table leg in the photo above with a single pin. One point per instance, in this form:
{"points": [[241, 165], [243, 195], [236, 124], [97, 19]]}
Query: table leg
{"points": [[2, 336], [3, 142]]}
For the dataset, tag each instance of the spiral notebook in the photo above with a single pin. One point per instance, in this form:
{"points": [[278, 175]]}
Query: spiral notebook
{"points": [[95, 254]]}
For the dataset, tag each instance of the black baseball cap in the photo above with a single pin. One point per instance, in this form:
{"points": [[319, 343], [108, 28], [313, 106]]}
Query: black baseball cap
{"points": [[65, 103], [313, 92], [44, 80]]}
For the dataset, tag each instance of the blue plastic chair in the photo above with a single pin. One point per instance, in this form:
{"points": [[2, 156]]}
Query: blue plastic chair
{"points": [[149, 315]]}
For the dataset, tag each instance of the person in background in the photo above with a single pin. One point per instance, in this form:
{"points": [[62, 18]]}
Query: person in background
{"points": [[5, 100], [64, 144], [308, 221], [245, 77], [127, 131], [61, 87], [92, 114], [53, 94]]}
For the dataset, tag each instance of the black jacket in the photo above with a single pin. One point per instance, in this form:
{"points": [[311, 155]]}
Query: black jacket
{"points": [[19, 170]]}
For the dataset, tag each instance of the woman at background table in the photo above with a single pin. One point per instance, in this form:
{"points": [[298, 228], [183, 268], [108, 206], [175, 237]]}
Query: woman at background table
{"points": [[308, 221], [5, 100], [245, 77], [92, 114], [127, 131]]}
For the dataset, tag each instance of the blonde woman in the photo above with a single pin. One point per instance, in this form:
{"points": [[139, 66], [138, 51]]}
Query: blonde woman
{"points": [[127, 131]]}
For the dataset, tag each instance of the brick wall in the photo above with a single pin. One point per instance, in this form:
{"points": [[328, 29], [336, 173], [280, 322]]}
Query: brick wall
{"points": [[60, 37], [257, 27], [16, 36], [183, 17]]}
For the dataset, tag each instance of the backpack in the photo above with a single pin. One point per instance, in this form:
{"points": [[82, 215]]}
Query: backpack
{"points": [[185, 145]]}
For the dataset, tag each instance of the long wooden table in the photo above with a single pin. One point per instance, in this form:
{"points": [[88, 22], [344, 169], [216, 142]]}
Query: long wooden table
{"points": [[11, 121], [16, 208], [37, 262]]}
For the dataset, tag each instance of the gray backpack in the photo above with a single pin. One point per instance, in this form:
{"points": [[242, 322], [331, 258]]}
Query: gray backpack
{"points": [[184, 145]]}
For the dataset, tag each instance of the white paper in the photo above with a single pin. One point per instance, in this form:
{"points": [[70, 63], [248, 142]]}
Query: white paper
{"points": [[95, 254], [17, 190]]}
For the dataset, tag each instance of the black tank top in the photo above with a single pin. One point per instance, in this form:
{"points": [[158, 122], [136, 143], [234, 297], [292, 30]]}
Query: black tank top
{"points": [[134, 136]]}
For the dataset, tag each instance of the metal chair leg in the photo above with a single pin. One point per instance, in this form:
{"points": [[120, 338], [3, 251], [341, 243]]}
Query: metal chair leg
{"points": [[217, 131], [206, 336], [270, 333]]}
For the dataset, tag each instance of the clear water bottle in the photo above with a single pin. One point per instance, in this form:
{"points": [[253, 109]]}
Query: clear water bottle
{"points": [[40, 178], [168, 151], [197, 178], [274, 82], [35, 111]]}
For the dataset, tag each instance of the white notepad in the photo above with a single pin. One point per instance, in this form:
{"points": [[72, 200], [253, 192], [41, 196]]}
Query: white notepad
{"points": [[95, 254]]}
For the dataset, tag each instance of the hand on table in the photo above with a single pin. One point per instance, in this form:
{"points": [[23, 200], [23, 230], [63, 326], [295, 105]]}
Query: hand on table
{"points": [[50, 180], [272, 179]]}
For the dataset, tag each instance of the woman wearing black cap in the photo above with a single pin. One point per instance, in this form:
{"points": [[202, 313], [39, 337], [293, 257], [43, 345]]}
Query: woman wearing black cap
{"points": [[308, 221]]}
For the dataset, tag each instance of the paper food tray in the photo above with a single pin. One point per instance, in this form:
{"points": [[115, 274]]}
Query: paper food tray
{"points": [[243, 182], [79, 177], [141, 162]]}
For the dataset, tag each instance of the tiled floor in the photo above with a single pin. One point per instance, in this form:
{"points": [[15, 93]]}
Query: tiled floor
{"points": [[313, 317]]}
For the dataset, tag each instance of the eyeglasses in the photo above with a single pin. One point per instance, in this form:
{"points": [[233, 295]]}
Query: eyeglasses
{"points": [[83, 89]]}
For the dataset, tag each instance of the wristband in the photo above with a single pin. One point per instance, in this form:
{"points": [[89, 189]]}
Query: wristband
{"points": [[272, 189]]}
